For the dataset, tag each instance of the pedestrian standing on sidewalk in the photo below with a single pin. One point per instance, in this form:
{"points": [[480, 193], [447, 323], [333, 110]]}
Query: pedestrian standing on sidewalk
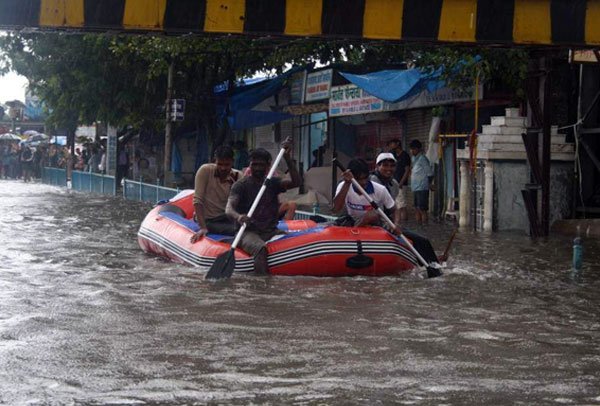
{"points": [[421, 177]]}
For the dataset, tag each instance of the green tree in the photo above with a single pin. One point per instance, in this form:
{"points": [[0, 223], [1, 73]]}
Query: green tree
{"points": [[122, 79]]}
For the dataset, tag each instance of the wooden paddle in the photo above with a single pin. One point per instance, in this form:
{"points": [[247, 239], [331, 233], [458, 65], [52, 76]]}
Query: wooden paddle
{"points": [[225, 263], [449, 245], [432, 269]]}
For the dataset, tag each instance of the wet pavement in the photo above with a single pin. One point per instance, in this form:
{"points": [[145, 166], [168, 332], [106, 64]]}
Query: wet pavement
{"points": [[87, 318]]}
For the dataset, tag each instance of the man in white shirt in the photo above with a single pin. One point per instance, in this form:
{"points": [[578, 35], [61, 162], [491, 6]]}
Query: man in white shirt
{"points": [[361, 211], [356, 205]]}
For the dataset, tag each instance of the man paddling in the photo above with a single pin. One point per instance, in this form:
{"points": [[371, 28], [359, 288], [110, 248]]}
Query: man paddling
{"points": [[357, 206], [361, 210], [263, 225], [212, 185]]}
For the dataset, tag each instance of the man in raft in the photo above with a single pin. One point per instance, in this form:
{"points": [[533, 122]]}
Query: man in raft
{"points": [[360, 211], [263, 225], [212, 185]]}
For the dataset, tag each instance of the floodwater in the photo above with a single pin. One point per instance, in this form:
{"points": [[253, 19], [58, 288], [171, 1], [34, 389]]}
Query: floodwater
{"points": [[88, 319]]}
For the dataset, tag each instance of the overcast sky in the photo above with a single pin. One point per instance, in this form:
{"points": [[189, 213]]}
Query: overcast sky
{"points": [[12, 86]]}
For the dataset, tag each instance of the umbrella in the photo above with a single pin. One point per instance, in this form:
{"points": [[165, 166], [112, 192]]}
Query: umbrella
{"points": [[9, 137], [37, 137], [30, 133]]}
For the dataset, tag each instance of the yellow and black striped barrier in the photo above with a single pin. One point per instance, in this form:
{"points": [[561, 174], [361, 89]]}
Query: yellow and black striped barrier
{"points": [[544, 22]]}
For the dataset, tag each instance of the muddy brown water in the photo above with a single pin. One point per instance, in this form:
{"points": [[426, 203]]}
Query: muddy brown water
{"points": [[87, 318]]}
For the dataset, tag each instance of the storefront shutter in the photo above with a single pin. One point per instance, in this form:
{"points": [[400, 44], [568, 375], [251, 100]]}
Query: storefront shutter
{"points": [[418, 123]]}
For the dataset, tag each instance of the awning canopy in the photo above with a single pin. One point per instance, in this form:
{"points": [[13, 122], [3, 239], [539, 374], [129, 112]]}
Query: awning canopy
{"points": [[396, 85], [526, 22], [239, 106]]}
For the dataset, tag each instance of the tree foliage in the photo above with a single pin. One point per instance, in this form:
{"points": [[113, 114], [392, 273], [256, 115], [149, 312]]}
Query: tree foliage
{"points": [[122, 79], [77, 77], [498, 68]]}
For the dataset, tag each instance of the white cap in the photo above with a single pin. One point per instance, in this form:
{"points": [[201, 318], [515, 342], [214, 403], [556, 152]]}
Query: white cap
{"points": [[384, 156]]}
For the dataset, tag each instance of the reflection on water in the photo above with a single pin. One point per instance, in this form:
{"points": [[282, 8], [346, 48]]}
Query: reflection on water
{"points": [[88, 318]]}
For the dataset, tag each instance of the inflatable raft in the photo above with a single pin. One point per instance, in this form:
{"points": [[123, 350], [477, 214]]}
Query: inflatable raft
{"points": [[305, 248]]}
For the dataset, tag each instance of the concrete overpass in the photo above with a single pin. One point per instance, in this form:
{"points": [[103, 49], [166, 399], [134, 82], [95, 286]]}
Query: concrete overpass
{"points": [[504, 22]]}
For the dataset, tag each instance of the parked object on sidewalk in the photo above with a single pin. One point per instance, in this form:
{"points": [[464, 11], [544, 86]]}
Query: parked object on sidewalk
{"points": [[305, 249]]}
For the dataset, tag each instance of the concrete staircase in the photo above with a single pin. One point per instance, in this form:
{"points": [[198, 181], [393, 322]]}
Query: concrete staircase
{"points": [[501, 139]]}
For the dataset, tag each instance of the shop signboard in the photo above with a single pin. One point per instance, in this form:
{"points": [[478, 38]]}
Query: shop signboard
{"points": [[584, 56], [297, 86], [348, 100], [318, 85], [440, 97]]}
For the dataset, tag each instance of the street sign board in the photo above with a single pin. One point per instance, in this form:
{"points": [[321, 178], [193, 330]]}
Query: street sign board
{"points": [[176, 110]]}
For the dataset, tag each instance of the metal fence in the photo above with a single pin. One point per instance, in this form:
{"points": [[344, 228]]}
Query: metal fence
{"points": [[306, 215], [147, 192], [82, 181], [54, 176], [132, 190], [94, 183]]}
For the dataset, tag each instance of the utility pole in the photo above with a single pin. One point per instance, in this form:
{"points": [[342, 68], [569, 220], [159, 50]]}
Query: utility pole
{"points": [[546, 156], [168, 127]]}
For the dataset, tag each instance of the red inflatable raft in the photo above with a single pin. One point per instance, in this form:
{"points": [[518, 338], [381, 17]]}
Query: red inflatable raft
{"points": [[305, 249]]}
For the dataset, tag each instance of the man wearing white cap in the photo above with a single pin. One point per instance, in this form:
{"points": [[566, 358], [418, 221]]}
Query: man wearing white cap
{"points": [[384, 175]]}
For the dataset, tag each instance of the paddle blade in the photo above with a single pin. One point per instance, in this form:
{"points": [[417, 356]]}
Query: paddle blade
{"points": [[223, 266], [433, 272]]}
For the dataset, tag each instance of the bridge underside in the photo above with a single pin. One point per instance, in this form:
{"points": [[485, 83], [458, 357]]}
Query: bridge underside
{"points": [[503, 22]]}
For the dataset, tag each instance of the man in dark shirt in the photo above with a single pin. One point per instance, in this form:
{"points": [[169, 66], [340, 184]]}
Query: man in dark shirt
{"points": [[263, 225], [401, 175]]}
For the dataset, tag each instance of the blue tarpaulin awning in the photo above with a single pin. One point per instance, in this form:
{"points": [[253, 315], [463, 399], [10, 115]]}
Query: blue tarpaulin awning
{"points": [[396, 85], [250, 118], [238, 107]]}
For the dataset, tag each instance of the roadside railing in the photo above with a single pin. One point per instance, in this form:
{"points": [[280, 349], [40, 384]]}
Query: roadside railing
{"points": [[132, 190], [306, 215], [81, 181], [54, 176], [93, 183], [146, 192]]}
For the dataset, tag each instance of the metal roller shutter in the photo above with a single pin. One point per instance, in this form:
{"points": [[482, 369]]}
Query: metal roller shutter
{"points": [[418, 123]]}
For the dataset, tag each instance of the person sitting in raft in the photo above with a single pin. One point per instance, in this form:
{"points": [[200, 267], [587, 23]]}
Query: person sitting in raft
{"points": [[384, 175], [360, 209], [357, 206], [263, 225], [212, 185], [287, 209]]}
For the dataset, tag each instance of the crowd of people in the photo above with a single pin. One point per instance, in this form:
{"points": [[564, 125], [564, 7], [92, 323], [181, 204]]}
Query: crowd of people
{"points": [[23, 161]]}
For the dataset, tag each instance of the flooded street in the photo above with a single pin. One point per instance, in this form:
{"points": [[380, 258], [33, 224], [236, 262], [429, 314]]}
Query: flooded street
{"points": [[88, 318]]}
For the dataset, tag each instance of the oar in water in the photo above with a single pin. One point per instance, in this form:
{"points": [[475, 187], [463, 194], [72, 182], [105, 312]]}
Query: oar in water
{"points": [[448, 246], [432, 269], [225, 263]]}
